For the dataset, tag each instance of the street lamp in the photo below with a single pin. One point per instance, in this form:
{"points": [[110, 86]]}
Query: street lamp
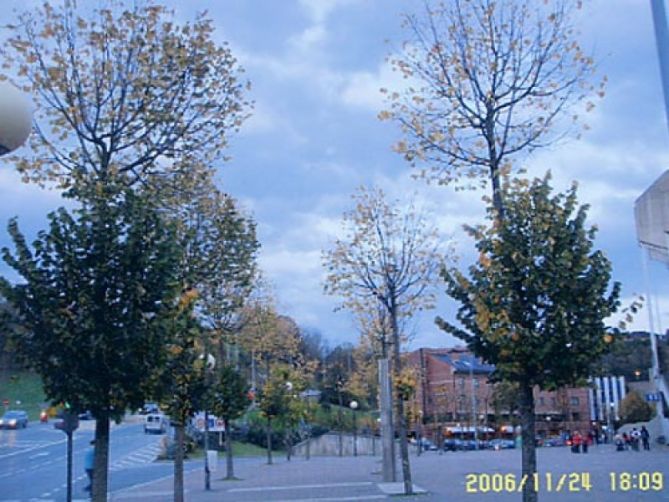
{"points": [[354, 406], [210, 364], [15, 118]]}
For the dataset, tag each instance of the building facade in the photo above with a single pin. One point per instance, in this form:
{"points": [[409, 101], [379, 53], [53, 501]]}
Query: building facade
{"points": [[453, 395]]}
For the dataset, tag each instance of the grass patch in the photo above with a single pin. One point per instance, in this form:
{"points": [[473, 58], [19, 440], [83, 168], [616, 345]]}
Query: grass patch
{"points": [[239, 449], [25, 387]]}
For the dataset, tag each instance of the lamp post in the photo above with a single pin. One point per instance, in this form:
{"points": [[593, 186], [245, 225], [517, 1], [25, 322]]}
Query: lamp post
{"points": [[354, 406], [610, 421], [210, 364], [15, 118]]}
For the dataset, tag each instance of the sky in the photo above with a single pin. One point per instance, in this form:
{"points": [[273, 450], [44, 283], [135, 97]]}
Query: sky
{"points": [[316, 67]]}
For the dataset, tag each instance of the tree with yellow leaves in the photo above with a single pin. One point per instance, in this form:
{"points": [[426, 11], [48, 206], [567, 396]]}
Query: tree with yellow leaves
{"points": [[124, 93], [535, 303], [487, 80], [387, 262]]}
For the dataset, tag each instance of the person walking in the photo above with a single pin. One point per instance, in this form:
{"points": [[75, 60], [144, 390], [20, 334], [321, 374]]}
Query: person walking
{"points": [[585, 442], [89, 463], [576, 440], [645, 438], [636, 436]]}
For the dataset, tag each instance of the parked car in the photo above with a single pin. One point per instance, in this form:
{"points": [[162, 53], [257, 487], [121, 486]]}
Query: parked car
{"points": [[426, 445], [86, 415], [454, 444], [554, 441], [502, 444], [14, 419], [155, 423], [149, 408]]}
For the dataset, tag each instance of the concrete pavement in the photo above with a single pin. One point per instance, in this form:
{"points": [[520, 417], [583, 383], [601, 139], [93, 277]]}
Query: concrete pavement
{"points": [[456, 476]]}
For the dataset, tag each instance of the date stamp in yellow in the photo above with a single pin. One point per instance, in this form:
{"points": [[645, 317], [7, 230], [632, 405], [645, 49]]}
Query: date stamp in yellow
{"points": [[569, 482]]}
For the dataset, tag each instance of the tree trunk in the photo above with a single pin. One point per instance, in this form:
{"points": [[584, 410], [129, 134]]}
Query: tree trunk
{"points": [[230, 470], [101, 462], [529, 452], [179, 435], [269, 440], [401, 419], [289, 446], [339, 424], [207, 471]]}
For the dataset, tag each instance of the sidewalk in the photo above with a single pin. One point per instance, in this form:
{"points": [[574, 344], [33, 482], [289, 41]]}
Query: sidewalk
{"points": [[331, 478]]}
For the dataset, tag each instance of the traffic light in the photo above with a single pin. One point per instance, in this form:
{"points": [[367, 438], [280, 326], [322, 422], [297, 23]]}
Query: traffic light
{"points": [[69, 422]]}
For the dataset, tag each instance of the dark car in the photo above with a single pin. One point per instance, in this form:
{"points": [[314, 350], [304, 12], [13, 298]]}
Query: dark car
{"points": [[86, 415], [14, 419], [453, 444]]}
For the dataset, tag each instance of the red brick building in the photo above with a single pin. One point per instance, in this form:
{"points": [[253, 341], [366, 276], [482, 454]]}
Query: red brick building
{"points": [[452, 388]]}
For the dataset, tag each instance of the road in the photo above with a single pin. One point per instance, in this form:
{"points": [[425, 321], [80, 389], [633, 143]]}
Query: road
{"points": [[33, 461]]}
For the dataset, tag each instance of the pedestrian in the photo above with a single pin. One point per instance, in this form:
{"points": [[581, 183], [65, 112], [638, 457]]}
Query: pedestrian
{"points": [[645, 438], [586, 441], [89, 463], [620, 442], [627, 440], [576, 440], [636, 437]]}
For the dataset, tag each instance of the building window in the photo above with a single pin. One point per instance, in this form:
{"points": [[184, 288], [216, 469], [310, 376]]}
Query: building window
{"points": [[553, 402], [575, 417], [542, 401], [462, 383], [476, 384], [574, 401]]}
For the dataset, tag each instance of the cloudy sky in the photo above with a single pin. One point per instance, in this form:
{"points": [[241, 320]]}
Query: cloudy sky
{"points": [[316, 67]]}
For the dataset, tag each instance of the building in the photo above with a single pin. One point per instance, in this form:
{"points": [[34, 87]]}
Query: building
{"points": [[453, 395]]}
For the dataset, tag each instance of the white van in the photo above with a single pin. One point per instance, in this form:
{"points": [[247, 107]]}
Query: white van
{"points": [[155, 422]]}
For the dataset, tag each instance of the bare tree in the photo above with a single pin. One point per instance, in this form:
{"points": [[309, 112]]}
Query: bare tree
{"points": [[390, 256], [488, 80], [125, 94]]}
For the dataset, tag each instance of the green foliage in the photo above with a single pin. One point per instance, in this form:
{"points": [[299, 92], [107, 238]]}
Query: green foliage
{"points": [[230, 397], [98, 286], [179, 382], [535, 303], [633, 408], [23, 386], [628, 356]]}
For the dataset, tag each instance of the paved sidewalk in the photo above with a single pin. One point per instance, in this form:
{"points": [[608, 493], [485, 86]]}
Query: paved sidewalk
{"points": [[454, 476]]}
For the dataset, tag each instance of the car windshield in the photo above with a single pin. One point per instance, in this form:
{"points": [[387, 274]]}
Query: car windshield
{"points": [[14, 414]]}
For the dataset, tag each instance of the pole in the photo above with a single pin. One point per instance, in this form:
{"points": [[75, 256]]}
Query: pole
{"points": [[474, 420], [69, 466], [355, 435], [662, 42]]}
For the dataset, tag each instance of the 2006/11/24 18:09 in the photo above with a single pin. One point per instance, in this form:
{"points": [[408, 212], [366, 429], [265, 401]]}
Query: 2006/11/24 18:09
{"points": [[566, 482]]}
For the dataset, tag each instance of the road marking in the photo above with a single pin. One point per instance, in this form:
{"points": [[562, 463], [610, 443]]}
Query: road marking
{"points": [[37, 455], [300, 487], [357, 497], [26, 450]]}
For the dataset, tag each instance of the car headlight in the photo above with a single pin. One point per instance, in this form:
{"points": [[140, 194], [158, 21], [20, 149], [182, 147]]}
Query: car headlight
{"points": [[12, 421]]}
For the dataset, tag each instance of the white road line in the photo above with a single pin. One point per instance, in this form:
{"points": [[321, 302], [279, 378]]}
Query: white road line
{"points": [[336, 499], [26, 450], [300, 487]]}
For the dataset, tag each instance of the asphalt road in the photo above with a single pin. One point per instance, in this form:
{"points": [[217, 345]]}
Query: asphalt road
{"points": [[33, 461]]}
